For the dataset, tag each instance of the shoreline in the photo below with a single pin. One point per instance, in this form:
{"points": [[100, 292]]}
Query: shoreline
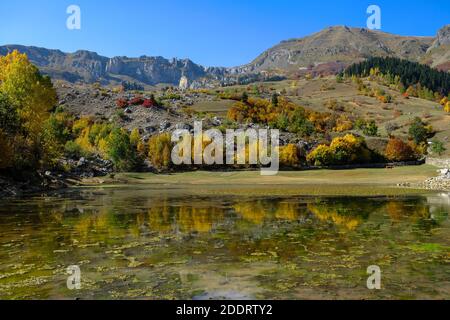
{"points": [[355, 182], [370, 181]]}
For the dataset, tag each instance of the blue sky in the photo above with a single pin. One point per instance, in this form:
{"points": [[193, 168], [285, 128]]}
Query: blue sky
{"points": [[212, 33]]}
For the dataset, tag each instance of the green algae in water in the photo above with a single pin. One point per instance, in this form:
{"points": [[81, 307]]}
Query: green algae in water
{"points": [[138, 244]]}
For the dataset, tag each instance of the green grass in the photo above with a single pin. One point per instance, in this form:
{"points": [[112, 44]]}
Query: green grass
{"points": [[218, 107], [358, 182]]}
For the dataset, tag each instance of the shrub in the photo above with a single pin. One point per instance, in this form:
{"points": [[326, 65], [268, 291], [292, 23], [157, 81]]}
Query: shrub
{"points": [[321, 156], [360, 124], [73, 150], [343, 123], [447, 107], [397, 150], [371, 129], [148, 103], [419, 132], [122, 103], [385, 98], [437, 147], [136, 101], [343, 150]]}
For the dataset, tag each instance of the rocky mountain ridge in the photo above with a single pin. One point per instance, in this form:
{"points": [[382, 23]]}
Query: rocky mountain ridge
{"points": [[325, 52]]}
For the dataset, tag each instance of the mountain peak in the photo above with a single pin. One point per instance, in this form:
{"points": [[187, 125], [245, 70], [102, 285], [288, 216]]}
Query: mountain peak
{"points": [[443, 36], [326, 52]]}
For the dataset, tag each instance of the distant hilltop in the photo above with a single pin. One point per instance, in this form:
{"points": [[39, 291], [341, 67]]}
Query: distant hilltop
{"points": [[325, 52]]}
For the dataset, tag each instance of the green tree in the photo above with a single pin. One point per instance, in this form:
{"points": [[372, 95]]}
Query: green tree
{"points": [[418, 131], [9, 119], [282, 122], [275, 100], [121, 151], [300, 124], [437, 147]]}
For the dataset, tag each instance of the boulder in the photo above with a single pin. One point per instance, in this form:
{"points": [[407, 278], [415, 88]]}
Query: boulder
{"points": [[183, 126], [150, 130], [184, 83], [164, 125]]}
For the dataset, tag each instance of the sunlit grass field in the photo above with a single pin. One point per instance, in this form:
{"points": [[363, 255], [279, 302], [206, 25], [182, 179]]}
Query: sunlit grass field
{"points": [[358, 182]]}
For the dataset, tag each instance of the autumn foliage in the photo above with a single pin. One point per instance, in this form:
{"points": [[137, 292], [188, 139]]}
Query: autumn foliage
{"points": [[26, 100], [343, 150], [122, 103], [398, 150]]}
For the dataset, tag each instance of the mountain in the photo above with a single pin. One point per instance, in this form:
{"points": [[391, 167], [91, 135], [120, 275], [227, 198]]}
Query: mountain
{"points": [[438, 55], [325, 52], [336, 47], [90, 67]]}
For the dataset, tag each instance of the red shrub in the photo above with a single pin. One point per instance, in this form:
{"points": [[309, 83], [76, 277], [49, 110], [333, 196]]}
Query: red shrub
{"points": [[136, 101], [148, 103], [122, 103]]}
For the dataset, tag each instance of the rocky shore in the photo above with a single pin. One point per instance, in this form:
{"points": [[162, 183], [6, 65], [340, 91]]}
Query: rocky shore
{"points": [[439, 183], [70, 173]]}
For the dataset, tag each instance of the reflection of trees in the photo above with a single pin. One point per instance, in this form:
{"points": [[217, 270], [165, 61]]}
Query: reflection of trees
{"points": [[104, 223], [259, 211], [289, 211], [253, 211], [400, 210], [419, 211], [346, 213], [166, 218]]}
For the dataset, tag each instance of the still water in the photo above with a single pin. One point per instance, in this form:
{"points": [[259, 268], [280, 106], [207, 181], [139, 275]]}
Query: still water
{"points": [[138, 243]]}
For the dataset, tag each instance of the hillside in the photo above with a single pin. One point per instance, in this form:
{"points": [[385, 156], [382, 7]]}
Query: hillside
{"points": [[339, 46]]}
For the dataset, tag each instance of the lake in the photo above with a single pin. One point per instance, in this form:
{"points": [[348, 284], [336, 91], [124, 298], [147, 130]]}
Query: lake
{"points": [[141, 242]]}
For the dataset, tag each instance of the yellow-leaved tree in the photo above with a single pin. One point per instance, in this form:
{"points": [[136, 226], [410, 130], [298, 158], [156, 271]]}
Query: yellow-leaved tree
{"points": [[31, 95], [447, 107]]}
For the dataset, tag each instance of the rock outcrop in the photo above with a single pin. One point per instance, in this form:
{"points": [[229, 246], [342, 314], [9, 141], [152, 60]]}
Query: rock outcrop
{"points": [[443, 38]]}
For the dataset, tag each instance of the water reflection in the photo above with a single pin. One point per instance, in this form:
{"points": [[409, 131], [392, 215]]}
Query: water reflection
{"points": [[152, 239]]}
